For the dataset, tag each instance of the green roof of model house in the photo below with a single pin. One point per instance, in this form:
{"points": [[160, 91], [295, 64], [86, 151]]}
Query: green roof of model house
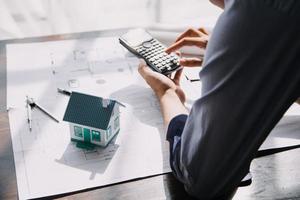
{"points": [[88, 110]]}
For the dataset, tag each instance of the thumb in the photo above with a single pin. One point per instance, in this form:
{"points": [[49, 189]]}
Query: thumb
{"points": [[177, 76], [144, 70]]}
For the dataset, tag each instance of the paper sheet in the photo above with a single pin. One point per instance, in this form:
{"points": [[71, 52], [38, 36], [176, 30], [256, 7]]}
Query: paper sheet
{"points": [[47, 162]]}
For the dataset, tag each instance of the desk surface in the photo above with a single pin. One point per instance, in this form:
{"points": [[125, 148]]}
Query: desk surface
{"points": [[274, 177]]}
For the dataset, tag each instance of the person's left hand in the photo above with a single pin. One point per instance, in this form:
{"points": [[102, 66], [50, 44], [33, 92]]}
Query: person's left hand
{"points": [[160, 83]]}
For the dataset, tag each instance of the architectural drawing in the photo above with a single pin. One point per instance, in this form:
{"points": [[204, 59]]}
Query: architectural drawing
{"points": [[47, 162]]}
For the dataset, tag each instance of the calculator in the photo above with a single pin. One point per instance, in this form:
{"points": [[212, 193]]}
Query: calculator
{"points": [[142, 44]]}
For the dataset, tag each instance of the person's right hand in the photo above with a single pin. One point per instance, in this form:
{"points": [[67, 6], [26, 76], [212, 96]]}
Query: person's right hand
{"points": [[191, 37]]}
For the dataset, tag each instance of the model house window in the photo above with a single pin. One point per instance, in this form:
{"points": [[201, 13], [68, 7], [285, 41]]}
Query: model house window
{"points": [[109, 132], [96, 136], [77, 131], [116, 123]]}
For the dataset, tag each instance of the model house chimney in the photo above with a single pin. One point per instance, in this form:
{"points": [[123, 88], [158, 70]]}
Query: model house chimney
{"points": [[105, 103]]}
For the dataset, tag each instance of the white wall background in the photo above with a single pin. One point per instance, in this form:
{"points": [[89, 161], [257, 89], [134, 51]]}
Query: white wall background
{"points": [[25, 18]]}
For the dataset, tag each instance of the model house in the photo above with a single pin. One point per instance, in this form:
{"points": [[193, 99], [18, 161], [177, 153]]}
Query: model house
{"points": [[92, 119]]}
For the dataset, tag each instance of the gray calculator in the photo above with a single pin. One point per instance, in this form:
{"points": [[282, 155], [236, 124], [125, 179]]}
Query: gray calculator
{"points": [[143, 45]]}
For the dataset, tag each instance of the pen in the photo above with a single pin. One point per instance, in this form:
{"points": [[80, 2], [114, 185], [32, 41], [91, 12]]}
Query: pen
{"points": [[29, 117], [67, 92], [63, 91]]}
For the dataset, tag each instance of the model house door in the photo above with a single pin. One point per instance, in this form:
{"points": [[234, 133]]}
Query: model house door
{"points": [[87, 135]]}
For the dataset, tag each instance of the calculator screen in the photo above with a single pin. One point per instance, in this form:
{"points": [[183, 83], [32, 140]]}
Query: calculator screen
{"points": [[136, 37]]}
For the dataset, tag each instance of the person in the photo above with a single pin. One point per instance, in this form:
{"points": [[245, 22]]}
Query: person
{"points": [[250, 76]]}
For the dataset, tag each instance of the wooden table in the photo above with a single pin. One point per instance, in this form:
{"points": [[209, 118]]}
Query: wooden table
{"points": [[274, 177]]}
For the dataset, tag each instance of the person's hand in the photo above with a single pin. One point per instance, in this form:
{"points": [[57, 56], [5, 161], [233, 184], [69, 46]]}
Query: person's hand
{"points": [[191, 37], [160, 83]]}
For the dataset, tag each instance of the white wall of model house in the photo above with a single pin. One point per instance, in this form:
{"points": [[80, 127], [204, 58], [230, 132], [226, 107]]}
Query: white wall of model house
{"points": [[105, 135]]}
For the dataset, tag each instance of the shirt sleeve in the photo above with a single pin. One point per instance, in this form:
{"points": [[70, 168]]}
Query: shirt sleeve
{"points": [[174, 133]]}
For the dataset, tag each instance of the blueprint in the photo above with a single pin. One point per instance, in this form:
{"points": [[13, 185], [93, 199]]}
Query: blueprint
{"points": [[47, 162]]}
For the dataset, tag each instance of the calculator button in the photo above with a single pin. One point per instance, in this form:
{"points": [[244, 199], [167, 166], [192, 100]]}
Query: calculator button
{"points": [[154, 55], [163, 70], [147, 44]]}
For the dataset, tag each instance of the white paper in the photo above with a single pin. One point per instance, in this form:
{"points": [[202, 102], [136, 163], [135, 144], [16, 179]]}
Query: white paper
{"points": [[287, 131], [47, 162]]}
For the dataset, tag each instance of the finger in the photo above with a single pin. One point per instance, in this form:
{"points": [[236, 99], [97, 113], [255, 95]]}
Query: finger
{"points": [[143, 69], [178, 53], [142, 64], [203, 30], [191, 62], [187, 41], [177, 76], [190, 33]]}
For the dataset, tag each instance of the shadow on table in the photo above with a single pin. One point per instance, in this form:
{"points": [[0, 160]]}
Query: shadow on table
{"points": [[93, 160]]}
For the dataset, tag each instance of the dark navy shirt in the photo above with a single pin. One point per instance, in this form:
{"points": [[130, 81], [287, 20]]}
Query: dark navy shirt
{"points": [[250, 77]]}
